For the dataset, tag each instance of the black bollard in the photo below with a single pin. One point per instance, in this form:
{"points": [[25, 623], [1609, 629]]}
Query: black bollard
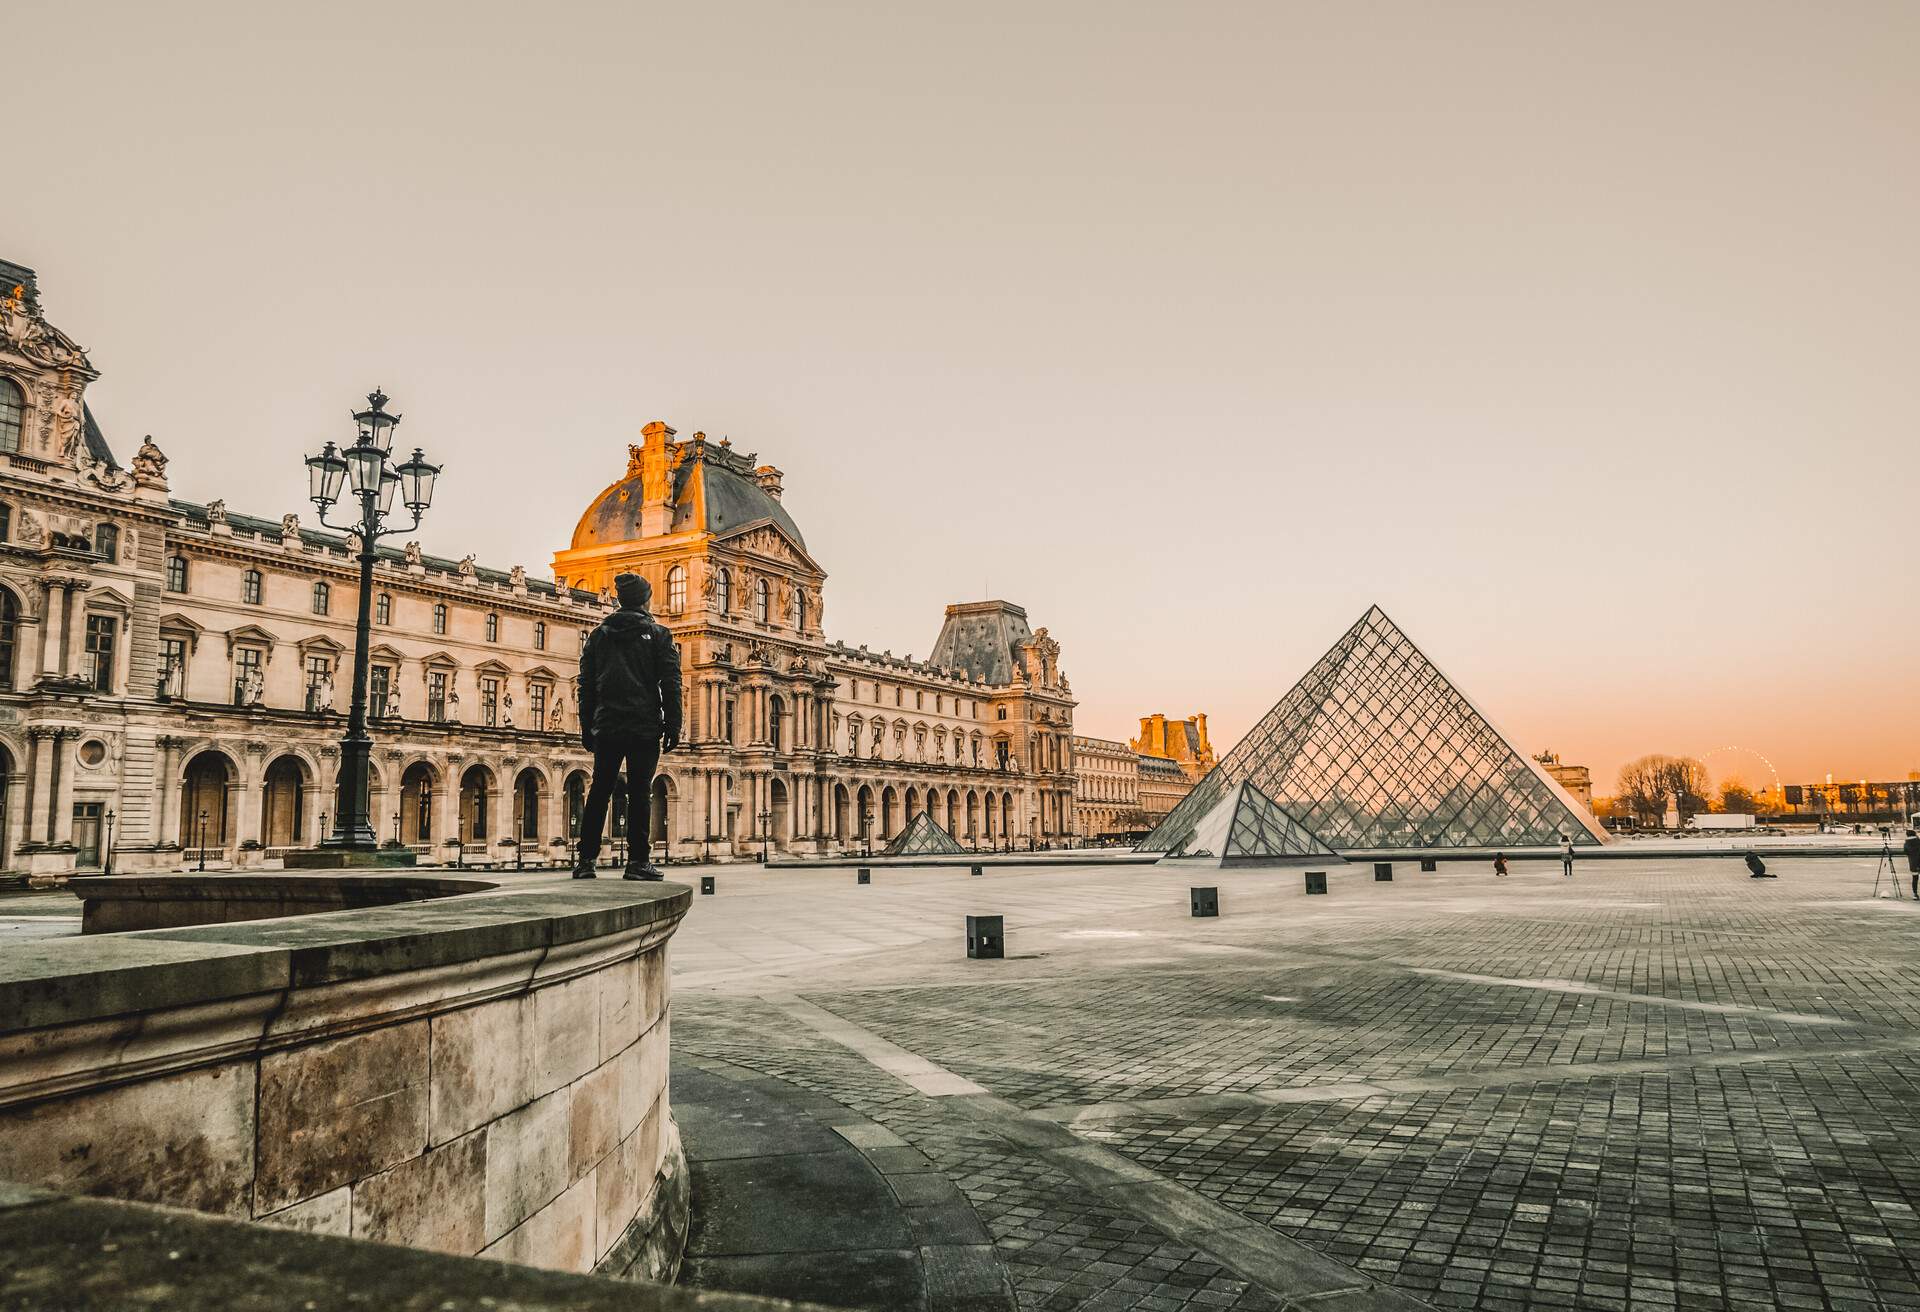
{"points": [[986, 936], [864, 876], [977, 871], [1206, 901], [1383, 872], [1429, 864], [1316, 881], [706, 883]]}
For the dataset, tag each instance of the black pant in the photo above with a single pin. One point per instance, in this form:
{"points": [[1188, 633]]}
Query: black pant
{"points": [[639, 754]]}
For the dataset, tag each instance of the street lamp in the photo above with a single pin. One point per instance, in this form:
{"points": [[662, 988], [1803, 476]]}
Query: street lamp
{"points": [[203, 841], [764, 817], [365, 469], [108, 869]]}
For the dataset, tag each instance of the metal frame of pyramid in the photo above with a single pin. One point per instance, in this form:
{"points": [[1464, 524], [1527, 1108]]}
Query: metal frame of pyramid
{"points": [[1248, 826], [923, 836], [1376, 749]]}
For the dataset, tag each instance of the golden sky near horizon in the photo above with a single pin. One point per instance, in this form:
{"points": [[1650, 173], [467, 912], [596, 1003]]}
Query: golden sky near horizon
{"points": [[1581, 338]]}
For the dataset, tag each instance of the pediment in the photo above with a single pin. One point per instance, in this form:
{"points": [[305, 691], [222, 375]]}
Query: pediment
{"points": [[179, 623], [383, 652], [250, 633], [109, 596], [492, 667], [319, 642], [439, 660], [767, 540], [540, 672]]}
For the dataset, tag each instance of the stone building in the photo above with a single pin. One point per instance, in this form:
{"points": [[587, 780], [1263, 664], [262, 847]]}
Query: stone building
{"points": [[816, 745], [1576, 779], [1106, 789], [1184, 742], [174, 676], [1162, 786]]}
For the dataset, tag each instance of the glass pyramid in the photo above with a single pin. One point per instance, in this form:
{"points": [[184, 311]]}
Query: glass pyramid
{"points": [[923, 836], [1374, 748], [1249, 826]]}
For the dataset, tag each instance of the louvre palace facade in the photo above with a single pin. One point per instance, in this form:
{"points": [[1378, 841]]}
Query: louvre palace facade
{"points": [[174, 677]]}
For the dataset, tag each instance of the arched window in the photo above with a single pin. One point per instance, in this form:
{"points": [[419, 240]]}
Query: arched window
{"points": [[106, 542], [539, 635], [322, 597], [723, 591], [776, 721], [13, 414], [176, 573], [493, 627], [800, 608], [383, 608], [250, 587], [439, 617], [9, 624], [761, 608], [676, 589]]}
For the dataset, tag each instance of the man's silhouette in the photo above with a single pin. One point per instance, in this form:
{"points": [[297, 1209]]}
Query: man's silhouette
{"points": [[629, 714]]}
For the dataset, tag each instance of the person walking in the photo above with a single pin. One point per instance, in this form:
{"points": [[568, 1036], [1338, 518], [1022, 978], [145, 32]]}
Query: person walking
{"points": [[1912, 848], [1500, 864], [1566, 856], [629, 715]]}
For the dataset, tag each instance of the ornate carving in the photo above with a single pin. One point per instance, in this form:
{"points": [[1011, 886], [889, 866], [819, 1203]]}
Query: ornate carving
{"points": [[25, 332], [30, 533], [634, 455], [257, 748], [150, 465], [290, 528], [517, 578], [412, 553], [216, 512], [467, 567]]}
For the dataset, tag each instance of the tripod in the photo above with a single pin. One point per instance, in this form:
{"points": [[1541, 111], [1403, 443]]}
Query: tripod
{"points": [[1886, 868]]}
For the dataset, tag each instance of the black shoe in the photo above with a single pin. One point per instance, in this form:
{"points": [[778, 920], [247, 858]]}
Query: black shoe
{"points": [[642, 871], [584, 871]]}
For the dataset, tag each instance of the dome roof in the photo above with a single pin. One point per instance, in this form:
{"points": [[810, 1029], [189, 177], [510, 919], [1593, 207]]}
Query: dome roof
{"points": [[707, 497]]}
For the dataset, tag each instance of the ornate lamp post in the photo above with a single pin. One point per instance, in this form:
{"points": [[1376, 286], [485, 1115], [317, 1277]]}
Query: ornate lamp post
{"points": [[373, 480], [765, 817]]}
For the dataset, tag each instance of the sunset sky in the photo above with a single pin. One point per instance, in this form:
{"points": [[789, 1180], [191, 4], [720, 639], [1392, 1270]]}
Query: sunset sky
{"points": [[1581, 338]]}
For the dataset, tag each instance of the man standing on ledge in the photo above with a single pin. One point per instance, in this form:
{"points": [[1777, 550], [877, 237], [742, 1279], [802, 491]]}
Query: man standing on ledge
{"points": [[629, 714]]}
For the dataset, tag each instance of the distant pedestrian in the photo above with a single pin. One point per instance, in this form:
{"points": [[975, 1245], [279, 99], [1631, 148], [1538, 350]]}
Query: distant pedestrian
{"points": [[1758, 867], [1912, 848], [1566, 856], [1500, 864]]}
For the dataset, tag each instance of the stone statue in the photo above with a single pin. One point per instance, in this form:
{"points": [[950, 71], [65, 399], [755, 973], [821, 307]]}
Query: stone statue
{"points": [[786, 601], [556, 718], [216, 512], [466, 566], [31, 532], [23, 330], [517, 577], [290, 528], [66, 424], [149, 464], [252, 688], [323, 692], [412, 553], [506, 710], [393, 703], [173, 678]]}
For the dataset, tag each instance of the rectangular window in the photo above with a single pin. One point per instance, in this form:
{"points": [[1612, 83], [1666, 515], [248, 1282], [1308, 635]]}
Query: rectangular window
{"points": [[539, 635], [537, 704], [176, 574], [439, 617], [383, 608], [489, 701], [319, 672], [101, 630], [246, 670], [379, 682], [173, 667], [106, 542], [322, 598], [6, 521], [437, 695], [250, 587]]}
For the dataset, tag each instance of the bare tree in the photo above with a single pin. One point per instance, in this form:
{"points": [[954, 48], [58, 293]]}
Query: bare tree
{"points": [[1647, 784]]}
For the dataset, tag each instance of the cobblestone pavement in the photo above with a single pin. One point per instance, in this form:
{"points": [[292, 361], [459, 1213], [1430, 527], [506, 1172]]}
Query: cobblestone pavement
{"points": [[1656, 1085]]}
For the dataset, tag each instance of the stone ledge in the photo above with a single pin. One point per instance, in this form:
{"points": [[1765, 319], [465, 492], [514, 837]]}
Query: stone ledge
{"points": [[120, 903], [72, 980], [94, 1255]]}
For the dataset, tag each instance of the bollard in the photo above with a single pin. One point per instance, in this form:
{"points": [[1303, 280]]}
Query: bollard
{"points": [[706, 883], [986, 937], [1429, 864], [865, 876], [977, 871], [1383, 872], [1206, 901], [1316, 881]]}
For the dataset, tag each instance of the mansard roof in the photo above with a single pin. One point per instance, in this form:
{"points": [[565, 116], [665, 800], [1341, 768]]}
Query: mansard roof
{"points": [[714, 491], [982, 639]]}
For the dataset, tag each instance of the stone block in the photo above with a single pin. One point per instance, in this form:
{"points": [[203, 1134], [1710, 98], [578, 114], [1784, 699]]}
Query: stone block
{"points": [[593, 1125], [437, 1201], [634, 1095], [331, 1113], [330, 1213], [566, 1032], [185, 1140], [527, 1154], [482, 1066], [654, 988], [654, 1056], [622, 1007], [560, 1236], [621, 1185]]}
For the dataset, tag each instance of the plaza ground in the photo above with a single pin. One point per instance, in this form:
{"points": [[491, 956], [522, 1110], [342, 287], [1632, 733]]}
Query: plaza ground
{"points": [[1656, 1085]]}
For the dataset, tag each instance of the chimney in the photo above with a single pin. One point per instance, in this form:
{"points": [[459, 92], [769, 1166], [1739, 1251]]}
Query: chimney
{"points": [[656, 481], [769, 480]]}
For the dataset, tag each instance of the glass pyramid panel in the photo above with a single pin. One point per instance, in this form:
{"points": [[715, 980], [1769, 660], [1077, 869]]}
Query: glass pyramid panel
{"points": [[1375, 748], [923, 836], [1248, 825]]}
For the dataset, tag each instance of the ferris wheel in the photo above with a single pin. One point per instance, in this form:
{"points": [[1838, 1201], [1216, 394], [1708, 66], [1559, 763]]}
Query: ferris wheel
{"points": [[1735, 749]]}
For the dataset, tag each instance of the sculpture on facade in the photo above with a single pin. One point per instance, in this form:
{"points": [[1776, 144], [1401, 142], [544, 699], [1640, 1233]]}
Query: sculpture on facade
{"points": [[467, 568], [506, 709], [252, 688], [149, 464], [216, 512], [393, 703], [289, 528], [453, 706], [23, 331], [323, 692], [412, 553], [517, 577]]}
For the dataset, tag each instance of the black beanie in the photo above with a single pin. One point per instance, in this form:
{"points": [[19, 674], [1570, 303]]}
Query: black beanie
{"points": [[632, 590]]}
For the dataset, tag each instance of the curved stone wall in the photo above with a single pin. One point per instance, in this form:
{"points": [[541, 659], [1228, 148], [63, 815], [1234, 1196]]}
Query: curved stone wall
{"points": [[481, 1074]]}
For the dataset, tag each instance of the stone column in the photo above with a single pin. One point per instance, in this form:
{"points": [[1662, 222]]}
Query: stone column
{"points": [[73, 660], [246, 807], [34, 787], [60, 817]]}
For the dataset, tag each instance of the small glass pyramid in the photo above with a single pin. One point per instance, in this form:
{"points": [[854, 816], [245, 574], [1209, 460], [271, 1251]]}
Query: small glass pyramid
{"points": [[1375, 748], [1249, 826], [923, 836]]}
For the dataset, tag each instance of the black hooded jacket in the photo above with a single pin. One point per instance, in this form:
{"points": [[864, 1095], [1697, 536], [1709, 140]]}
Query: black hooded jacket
{"points": [[629, 679]]}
